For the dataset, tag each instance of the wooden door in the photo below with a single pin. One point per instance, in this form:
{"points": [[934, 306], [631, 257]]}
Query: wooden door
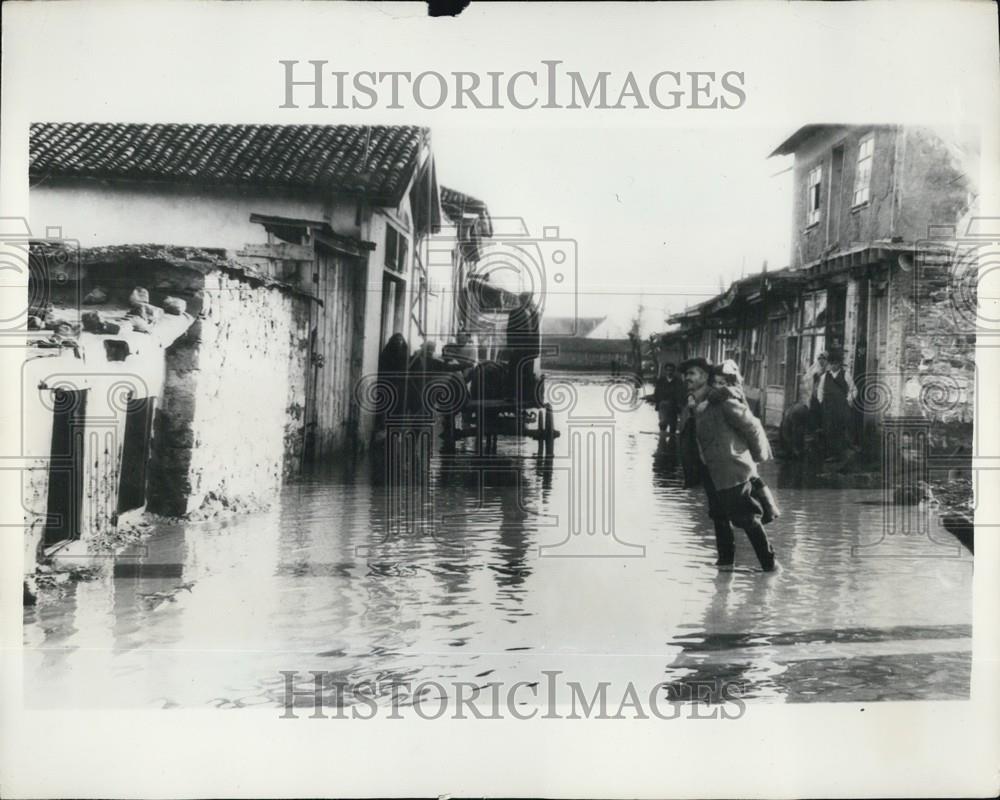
{"points": [[135, 453], [337, 353]]}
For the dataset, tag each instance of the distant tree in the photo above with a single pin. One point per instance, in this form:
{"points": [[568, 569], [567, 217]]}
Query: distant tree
{"points": [[652, 354]]}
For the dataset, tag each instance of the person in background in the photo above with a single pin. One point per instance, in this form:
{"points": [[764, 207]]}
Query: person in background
{"points": [[424, 358], [817, 371], [423, 370], [721, 444], [460, 354], [669, 396], [833, 392], [523, 345], [392, 365]]}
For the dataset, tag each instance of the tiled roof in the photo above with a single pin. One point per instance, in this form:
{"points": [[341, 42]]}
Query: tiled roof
{"points": [[455, 205], [742, 289], [377, 160]]}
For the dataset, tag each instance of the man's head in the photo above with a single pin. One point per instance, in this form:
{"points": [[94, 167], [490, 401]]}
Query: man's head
{"points": [[669, 370], [822, 360], [835, 359], [695, 372]]}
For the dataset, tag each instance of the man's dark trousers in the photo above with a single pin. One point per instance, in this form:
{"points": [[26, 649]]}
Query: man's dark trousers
{"points": [[735, 505]]}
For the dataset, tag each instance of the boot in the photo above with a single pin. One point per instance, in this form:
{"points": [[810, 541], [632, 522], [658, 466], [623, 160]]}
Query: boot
{"points": [[761, 546], [724, 543]]}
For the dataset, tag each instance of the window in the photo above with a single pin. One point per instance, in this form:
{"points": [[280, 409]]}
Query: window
{"points": [[811, 344], [401, 261], [812, 340], [391, 239], [863, 173], [813, 195], [814, 310], [836, 312], [395, 249]]}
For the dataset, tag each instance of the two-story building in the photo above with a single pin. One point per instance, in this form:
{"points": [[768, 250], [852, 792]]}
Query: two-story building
{"points": [[874, 272], [876, 214]]}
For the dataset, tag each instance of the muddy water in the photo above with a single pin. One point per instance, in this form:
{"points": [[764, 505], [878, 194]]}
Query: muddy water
{"points": [[502, 569]]}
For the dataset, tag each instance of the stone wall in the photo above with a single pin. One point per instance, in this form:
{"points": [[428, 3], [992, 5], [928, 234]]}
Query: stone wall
{"points": [[173, 431], [937, 353], [231, 422], [927, 368]]}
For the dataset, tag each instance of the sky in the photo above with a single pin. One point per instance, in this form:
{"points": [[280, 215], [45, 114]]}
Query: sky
{"points": [[659, 217]]}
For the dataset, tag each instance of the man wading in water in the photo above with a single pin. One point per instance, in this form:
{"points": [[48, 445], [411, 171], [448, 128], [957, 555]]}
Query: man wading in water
{"points": [[721, 441]]}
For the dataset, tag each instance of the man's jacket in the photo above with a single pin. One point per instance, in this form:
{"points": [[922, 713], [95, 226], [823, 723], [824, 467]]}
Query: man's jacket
{"points": [[727, 438], [672, 391]]}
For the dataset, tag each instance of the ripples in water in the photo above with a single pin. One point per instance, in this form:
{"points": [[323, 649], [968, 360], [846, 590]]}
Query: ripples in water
{"points": [[467, 581]]}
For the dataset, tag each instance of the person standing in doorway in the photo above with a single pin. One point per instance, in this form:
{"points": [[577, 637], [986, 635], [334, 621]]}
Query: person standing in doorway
{"points": [[721, 445], [392, 378], [834, 393]]}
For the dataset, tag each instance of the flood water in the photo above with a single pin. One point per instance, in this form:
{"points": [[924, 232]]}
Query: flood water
{"points": [[502, 569]]}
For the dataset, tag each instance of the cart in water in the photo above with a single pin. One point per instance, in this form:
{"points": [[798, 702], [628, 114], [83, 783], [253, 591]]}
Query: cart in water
{"points": [[504, 392]]}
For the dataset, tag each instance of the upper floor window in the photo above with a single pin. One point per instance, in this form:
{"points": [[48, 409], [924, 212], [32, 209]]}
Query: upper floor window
{"points": [[813, 195], [395, 249], [863, 173]]}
